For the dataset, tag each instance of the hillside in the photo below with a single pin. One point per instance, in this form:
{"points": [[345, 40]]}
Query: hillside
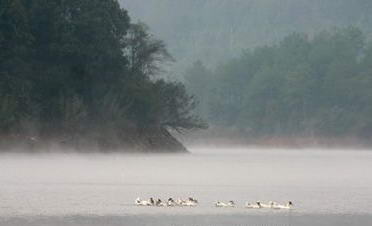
{"points": [[80, 75]]}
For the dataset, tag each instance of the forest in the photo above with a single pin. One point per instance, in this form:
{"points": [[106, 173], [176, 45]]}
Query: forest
{"points": [[303, 86], [216, 30], [78, 74], [90, 75]]}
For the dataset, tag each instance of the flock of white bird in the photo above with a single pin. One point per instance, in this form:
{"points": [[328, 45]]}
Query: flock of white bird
{"points": [[258, 205], [169, 203], [192, 202]]}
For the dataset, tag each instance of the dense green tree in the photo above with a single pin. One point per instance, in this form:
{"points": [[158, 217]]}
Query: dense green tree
{"points": [[15, 41], [76, 70]]}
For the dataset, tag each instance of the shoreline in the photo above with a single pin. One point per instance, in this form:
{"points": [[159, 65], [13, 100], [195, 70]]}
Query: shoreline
{"points": [[223, 140], [152, 141]]}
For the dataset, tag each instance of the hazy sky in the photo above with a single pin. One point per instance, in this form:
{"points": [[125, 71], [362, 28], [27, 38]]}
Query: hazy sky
{"points": [[212, 30]]}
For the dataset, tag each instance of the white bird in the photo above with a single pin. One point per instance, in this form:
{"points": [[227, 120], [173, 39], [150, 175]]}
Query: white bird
{"points": [[171, 202], [222, 204], [179, 202], [160, 203], [289, 205], [271, 204], [140, 202], [253, 206], [191, 199], [190, 202]]}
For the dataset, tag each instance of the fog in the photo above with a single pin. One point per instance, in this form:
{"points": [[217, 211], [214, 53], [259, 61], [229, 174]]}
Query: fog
{"points": [[317, 181], [286, 74], [277, 73], [214, 30]]}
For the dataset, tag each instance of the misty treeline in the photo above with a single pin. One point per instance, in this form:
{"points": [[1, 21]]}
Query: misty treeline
{"points": [[79, 70], [215, 30], [310, 86]]}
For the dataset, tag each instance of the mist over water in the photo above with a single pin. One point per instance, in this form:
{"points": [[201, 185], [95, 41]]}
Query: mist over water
{"points": [[94, 77], [317, 181]]}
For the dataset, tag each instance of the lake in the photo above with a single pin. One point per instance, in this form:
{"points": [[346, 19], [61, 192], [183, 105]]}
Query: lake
{"points": [[328, 187]]}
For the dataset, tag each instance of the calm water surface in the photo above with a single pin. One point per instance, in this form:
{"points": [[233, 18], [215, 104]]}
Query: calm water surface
{"points": [[327, 187]]}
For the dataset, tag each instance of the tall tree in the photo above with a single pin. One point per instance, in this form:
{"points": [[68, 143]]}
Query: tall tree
{"points": [[79, 70]]}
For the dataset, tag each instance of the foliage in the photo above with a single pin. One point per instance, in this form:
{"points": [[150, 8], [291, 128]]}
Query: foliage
{"points": [[217, 30], [300, 86], [80, 66]]}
